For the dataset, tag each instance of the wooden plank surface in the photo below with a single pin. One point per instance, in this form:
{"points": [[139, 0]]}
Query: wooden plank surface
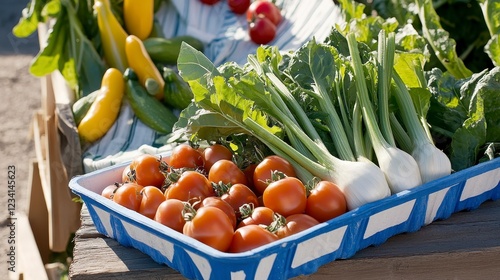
{"points": [[464, 246]]}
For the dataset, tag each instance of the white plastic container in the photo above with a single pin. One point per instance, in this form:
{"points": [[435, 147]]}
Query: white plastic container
{"points": [[303, 253]]}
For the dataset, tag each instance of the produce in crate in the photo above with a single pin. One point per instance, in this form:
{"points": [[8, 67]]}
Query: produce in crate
{"points": [[139, 60], [138, 17], [104, 111], [146, 107], [186, 198], [112, 34], [166, 50]]}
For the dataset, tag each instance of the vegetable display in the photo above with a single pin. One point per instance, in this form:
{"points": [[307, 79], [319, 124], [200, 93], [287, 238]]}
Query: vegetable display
{"points": [[289, 139], [226, 215], [105, 108], [87, 38]]}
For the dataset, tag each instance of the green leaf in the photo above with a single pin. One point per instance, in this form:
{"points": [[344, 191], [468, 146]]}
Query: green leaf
{"points": [[31, 16], [47, 60], [404, 64], [233, 97], [440, 41], [492, 48], [469, 109], [421, 98], [193, 64]]}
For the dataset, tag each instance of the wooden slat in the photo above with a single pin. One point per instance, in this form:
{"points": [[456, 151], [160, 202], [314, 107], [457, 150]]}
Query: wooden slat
{"points": [[37, 213], [464, 246], [31, 265]]}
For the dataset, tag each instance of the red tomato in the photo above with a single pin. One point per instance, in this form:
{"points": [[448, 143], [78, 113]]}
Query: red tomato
{"points": [[129, 195], [257, 216], [286, 196], [191, 186], [249, 173], [263, 171], [326, 201], [238, 195], [238, 6], [227, 172], [222, 205], [250, 237], [151, 198], [109, 191], [209, 2], [214, 153], [169, 213], [126, 174], [147, 171], [211, 226], [185, 156], [296, 223], [265, 8], [261, 30]]}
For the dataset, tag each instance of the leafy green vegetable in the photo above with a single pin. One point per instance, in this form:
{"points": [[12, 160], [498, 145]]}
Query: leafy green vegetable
{"points": [[464, 114], [491, 13], [71, 43], [31, 16], [439, 39]]}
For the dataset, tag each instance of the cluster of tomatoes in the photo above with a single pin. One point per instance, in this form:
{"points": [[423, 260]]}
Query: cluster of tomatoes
{"points": [[263, 17], [204, 194]]}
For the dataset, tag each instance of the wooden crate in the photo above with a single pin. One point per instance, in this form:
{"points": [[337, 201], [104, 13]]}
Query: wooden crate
{"points": [[52, 216]]}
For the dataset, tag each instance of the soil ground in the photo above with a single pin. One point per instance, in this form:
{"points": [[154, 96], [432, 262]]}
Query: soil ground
{"points": [[20, 98]]}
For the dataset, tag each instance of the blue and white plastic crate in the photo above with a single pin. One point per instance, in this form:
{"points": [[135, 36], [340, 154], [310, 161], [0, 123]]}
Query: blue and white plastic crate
{"points": [[304, 253]]}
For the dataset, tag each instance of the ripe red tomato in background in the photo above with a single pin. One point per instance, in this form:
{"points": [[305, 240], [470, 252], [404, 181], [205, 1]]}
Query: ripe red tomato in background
{"points": [[191, 186], [109, 191], [250, 237], [258, 216], [226, 171], [261, 30], [146, 170], [265, 8], [215, 152], [185, 156], [296, 223], [263, 171], [238, 195], [326, 201], [152, 197], [209, 2], [238, 6], [222, 205], [169, 213], [286, 196], [211, 226], [129, 195]]}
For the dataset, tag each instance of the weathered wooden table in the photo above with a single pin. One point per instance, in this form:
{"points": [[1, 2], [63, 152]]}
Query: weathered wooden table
{"points": [[464, 246]]}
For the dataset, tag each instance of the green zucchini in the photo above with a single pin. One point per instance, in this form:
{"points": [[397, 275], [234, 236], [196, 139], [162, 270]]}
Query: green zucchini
{"points": [[147, 108], [82, 106], [163, 50], [176, 93]]}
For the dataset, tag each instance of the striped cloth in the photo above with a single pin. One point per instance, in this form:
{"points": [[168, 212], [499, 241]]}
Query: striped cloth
{"points": [[225, 39]]}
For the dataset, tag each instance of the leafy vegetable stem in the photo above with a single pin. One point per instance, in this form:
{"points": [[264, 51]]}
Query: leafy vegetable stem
{"points": [[369, 117], [400, 134], [408, 112], [386, 47], [280, 146], [357, 128], [305, 123], [333, 121]]}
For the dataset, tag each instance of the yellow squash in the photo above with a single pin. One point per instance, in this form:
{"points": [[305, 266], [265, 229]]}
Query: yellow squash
{"points": [[105, 109], [113, 35], [139, 17], [142, 64]]}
